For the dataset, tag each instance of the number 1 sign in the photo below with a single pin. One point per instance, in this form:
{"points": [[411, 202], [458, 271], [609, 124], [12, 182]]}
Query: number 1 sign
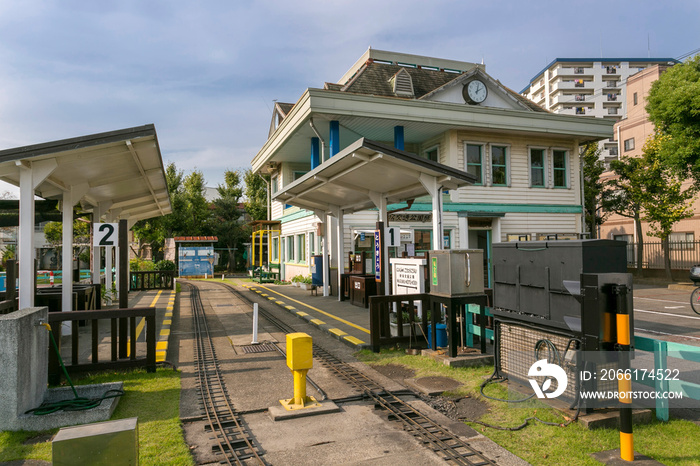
{"points": [[105, 234]]}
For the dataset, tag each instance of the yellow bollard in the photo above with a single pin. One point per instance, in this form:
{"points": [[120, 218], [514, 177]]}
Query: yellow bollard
{"points": [[299, 360]]}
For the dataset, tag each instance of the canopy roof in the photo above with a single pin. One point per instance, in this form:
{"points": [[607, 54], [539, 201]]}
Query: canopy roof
{"points": [[122, 171], [354, 178]]}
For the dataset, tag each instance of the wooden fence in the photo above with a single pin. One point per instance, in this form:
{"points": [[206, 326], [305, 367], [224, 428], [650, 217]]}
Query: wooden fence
{"points": [[152, 280], [118, 359]]}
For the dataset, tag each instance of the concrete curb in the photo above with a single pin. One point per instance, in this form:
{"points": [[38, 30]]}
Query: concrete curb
{"points": [[331, 330]]}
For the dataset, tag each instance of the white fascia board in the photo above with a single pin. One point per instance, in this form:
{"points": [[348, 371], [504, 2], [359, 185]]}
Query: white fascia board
{"points": [[291, 122], [453, 116]]}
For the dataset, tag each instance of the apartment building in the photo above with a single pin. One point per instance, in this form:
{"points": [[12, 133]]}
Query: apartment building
{"points": [[589, 87]]}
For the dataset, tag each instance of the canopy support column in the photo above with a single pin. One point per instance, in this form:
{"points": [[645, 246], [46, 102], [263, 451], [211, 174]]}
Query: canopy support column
{"points": [[430, 183]]}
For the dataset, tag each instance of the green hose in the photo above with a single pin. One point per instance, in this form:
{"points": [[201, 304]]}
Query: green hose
{"points": [[76, 404]]}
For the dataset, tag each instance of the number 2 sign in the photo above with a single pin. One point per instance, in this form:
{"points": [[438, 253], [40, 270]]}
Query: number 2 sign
{"points": [[105, 234]]}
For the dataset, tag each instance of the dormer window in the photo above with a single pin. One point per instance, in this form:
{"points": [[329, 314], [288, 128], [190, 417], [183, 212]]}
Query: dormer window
{"points": [[402, 84]]}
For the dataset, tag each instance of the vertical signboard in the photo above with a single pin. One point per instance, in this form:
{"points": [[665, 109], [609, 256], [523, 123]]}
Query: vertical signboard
{"points": [[377, 256]]}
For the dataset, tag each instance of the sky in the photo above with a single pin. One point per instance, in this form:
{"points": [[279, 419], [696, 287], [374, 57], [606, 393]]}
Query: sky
{"points": [[206, 73]]}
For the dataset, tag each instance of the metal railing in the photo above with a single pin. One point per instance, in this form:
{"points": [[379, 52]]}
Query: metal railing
{"points": [[683, 254], [118, 358], [152, 280]]}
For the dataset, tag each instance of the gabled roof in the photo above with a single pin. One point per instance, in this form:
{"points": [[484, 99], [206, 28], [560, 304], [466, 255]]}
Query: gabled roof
{"points": [[374, 78], [278, 114]]}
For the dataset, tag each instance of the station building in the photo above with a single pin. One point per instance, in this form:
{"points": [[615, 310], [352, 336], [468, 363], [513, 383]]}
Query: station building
{"points": [[502, 168]]}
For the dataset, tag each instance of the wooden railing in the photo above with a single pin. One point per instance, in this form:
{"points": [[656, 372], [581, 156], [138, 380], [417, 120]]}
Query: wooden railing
{"points": [[152, 280], [116, 317]]}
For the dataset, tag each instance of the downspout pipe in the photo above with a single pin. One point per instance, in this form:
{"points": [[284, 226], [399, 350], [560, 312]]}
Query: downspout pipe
{"points": [[323, 143]]}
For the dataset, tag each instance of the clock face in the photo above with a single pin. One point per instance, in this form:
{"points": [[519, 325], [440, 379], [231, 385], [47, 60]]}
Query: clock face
{"points": [[476, 91]]}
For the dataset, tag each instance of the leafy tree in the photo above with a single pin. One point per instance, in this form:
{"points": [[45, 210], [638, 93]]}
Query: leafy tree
{"points": [[226, 218], [53, 232], [626, 196], [196, 205], [667, 199], [674, 108], [593, 188], [256, 195]]}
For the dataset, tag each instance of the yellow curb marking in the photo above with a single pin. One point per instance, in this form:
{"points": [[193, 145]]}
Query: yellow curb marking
{"points": [[354, 340], [165, 331], [322, 312], [301, 313], [337, 332], [317, 322]]}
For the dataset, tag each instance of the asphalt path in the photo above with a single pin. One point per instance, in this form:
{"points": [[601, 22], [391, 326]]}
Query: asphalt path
{"points": [[665, 315]]}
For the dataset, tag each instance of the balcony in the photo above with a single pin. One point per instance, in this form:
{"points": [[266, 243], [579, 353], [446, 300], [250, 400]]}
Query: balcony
{"points": [[570, 72], [612, 97], [610, 69], [578, 85], [610, 84], [568, 99]]}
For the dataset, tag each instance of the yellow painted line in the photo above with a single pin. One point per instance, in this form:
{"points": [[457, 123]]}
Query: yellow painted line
{"points": [[165, 331], [167, 322], [142, 324], [302, 313], [281, 303], [161, 345], [160, 356], [337, 332], [265, 295], [354, 340], [271, 298], [291, 308], [322, 312], [317, 322]]}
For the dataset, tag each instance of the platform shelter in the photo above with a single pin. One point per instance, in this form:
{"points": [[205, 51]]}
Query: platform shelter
{"points": [[118, 176]]}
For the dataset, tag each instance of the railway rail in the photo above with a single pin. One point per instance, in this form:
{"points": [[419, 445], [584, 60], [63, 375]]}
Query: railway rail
{"points": [[233, 443], [432, 435]]}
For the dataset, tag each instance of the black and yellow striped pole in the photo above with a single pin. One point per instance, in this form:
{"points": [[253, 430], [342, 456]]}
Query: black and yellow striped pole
{"points": [[624, 385]]}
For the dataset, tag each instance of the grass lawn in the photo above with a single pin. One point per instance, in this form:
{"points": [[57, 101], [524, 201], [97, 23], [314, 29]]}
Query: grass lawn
{"points": [[671, 443], [153, 398]]}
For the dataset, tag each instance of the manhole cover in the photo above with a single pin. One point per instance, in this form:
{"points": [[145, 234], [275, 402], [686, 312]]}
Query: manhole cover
{"points": [[263, 348]]}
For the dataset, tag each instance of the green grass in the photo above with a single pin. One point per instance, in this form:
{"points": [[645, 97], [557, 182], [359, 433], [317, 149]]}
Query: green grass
{"points": [[152, 397], [671, 443]]}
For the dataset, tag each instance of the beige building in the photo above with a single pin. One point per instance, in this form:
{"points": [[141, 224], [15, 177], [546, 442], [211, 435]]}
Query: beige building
{"points": [[631, 134]]}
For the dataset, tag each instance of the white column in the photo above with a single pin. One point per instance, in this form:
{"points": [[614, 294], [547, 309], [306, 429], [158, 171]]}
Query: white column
{"points": [[463, 232], [431, 185], [325, 249], [379, 201], [26, 238], [340, 238], [96, 262], [109, 277], [496, 230], [67, 247]]}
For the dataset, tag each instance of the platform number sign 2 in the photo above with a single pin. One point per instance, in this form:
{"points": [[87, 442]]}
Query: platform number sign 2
{"points": [[105, 234]]}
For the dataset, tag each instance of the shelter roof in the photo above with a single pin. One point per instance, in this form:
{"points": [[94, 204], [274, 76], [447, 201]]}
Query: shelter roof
{"points": [[196, 239], [365, 170], [120, 170]]}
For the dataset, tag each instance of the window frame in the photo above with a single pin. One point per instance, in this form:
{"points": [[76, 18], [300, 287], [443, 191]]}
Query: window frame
{"points": [[274, 186], [290, 248], [435, 148], [682, 244], [274, 253], [543, 168], [630, 146], [482, 152], [566, 169], [505, 166]]}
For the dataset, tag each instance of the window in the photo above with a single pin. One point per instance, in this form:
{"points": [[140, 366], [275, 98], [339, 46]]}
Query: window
{"points": [[634, 98], [537, 168], [580, 110], [432, 154], [290, 248], [312, 242], [629, 144], [301, 248], [681, 241], [273, 184], [499, 166], [627, 238], [474, 161], [275, 250], [559, 168], [298, 174]]}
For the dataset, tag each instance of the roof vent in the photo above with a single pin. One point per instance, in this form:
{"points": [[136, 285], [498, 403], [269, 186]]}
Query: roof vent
{"points": [[402, 84]]}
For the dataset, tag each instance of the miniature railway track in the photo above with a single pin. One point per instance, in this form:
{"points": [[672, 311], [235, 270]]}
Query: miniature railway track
{"points": [[233, 441], [444, 443]]}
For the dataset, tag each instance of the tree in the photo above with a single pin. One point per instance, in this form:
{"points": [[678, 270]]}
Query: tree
{"points": [[256, 195], [674, 108], [226, 217], [666, 196], [53, 232], [626, 196], [593, 188]]}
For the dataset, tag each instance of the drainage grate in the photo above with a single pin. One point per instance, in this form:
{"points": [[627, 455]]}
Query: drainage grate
{"points": [[263, 348]]}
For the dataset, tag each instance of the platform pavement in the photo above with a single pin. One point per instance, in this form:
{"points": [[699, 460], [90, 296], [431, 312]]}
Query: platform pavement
{"points": [[341, 319]]}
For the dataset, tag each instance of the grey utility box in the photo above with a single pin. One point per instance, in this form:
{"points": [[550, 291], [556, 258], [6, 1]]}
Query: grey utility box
{"points": [[529, 277], [456, 272]]}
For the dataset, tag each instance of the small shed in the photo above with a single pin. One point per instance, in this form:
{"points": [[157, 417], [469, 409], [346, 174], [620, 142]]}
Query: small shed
{"points": [[195, 255]]}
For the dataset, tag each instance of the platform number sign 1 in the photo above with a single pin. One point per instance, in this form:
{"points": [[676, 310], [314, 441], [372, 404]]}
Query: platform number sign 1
{"points": [[392, 236], [105, 234]]}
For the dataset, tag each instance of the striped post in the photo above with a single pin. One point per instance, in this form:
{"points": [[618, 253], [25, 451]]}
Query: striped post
{"points": [[623, 385]]}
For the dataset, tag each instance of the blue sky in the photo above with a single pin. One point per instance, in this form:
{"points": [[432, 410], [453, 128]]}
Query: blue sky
{"points": [[206, 73]]}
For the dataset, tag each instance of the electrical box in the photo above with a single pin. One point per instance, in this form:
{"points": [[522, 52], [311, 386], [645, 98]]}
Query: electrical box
{"points": [[456, 272], [111, 442]]}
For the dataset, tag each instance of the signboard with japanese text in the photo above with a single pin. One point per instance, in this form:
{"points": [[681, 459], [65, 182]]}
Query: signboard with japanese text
{"points": [[377, 256]]}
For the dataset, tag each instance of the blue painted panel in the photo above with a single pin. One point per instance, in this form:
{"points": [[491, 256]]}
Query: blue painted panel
{"points": [[193, 261]]}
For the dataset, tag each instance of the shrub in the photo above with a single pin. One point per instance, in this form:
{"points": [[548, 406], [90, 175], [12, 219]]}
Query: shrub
{"points": [[165, 265]]}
